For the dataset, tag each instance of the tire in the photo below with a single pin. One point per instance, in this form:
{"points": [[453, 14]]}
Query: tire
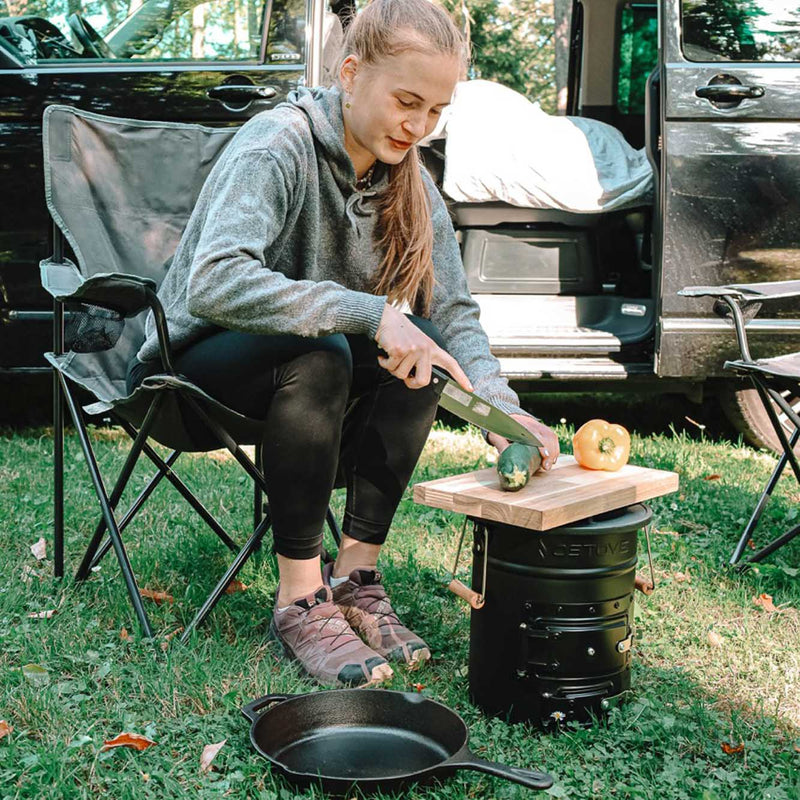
{"points": [[744, 410]]}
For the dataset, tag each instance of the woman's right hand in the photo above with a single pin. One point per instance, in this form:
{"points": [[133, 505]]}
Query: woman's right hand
{"points": [[410, 353]]}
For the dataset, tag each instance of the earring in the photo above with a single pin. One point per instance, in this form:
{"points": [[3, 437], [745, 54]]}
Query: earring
{"points": [[347, 105]]}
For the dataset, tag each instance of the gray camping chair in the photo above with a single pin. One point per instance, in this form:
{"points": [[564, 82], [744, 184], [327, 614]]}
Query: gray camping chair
{"points": [[120, 193], [773, 378]]}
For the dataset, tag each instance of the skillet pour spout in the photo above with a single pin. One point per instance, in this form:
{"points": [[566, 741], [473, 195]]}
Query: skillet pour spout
{"points": [[373, 739]]}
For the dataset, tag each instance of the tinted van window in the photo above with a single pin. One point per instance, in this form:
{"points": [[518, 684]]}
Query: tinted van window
{"points": [[741, 30], [42, 31]]}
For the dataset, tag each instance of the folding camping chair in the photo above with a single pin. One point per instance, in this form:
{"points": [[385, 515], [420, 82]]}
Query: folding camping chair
{"points": [[775, 379], [120, 193]]}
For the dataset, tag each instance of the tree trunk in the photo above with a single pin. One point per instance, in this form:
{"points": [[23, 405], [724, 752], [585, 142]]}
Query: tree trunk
{"points": [[198, 32], [241, 30], [562, 17]]}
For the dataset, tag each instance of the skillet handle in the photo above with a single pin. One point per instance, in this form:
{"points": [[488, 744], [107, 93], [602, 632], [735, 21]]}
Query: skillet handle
{"points": [[530, 778], [254, 706]]}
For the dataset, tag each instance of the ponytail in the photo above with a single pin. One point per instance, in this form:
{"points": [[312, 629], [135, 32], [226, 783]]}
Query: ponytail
{"points": [[386, 28], [406, 273]]}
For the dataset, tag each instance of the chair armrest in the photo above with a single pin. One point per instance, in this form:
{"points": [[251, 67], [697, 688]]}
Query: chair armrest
{"points": [[769, 290], [709, 291], [127, 295], [742, 301]]}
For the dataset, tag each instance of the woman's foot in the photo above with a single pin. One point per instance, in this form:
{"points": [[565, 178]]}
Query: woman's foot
{"points": [[363, 601], [313, 631]]}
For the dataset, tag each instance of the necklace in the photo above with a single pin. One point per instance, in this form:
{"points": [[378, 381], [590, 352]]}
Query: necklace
{"points": [[365, 181]]}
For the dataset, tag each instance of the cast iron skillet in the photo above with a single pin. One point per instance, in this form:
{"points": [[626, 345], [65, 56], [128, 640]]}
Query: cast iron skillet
{"points": [[370, 738]]}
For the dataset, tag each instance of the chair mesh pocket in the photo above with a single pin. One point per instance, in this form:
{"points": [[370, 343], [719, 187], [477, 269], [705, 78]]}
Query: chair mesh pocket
{"points": [[92, 329]]}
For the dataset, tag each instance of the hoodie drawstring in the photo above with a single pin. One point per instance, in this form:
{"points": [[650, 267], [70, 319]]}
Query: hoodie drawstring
{"points": [[357, 206]]}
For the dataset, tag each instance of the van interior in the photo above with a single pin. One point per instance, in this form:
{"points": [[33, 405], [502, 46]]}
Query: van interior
{"points": [[564, 295]]}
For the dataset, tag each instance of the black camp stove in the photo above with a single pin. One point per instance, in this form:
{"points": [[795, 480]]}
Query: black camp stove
{"points": [[552, 643]]}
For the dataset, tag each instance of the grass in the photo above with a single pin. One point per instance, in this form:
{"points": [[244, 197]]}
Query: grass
{"points": [[709, 666]]}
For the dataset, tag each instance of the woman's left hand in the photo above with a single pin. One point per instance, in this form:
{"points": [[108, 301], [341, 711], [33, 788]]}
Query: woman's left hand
{"points": [[550, 448]]}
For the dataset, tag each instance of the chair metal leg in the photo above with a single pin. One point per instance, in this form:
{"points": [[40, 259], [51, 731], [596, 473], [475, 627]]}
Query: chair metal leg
{"points": [[772, 546], [119, 487], [184, 491], [258, 495], [227, 441], [762, 503], [58, 446], [108, 514], [768, 395], [131, 512], [244, 554]]}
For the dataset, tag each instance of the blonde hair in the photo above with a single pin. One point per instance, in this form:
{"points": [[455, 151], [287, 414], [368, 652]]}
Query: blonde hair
{"points": [[387, 28]]}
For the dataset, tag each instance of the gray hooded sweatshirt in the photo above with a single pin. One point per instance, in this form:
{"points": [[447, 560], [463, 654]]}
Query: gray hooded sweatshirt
{"points": [[282, 242]]}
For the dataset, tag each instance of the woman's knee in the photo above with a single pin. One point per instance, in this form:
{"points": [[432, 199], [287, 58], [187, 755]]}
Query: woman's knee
{"points": [[327, 367]]}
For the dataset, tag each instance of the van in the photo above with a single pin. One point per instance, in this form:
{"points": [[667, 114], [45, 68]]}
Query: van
{"points": [[569, 300]]}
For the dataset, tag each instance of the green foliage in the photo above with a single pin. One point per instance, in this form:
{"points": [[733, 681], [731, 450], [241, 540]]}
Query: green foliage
{"points": [[638, 56], [513, 44]]}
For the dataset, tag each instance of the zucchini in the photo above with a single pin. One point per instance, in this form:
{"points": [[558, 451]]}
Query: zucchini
{"points": [[516, 464]]}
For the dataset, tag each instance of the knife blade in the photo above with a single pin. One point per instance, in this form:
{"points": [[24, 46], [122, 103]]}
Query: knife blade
{"points": [[480, 412]]}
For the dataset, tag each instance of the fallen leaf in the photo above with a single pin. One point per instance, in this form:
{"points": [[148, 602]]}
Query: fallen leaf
{"points": [[42, 614], [134, 740], [235, 586], [713, 477], [765, 602], [35, 674], [158, 597], [682, 577], [797, 748], [124, 635], [209, 753], [39, 549], [145, 776], [169, 637], [29, 573], [5, 728], [751, 544], [714, 639], [732, 749]]}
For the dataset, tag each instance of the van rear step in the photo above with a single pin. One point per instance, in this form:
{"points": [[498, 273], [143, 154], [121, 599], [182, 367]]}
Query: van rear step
{"points": [[592, 324], [567, 369]]}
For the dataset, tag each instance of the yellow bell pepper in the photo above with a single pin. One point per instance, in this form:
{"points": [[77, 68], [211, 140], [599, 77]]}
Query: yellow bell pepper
{"points": [[598, 444]]}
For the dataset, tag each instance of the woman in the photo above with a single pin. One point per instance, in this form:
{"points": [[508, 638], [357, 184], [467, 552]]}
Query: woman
{"points": [[283, 301]]}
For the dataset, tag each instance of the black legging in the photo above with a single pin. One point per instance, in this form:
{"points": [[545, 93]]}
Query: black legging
{"points": [[330, 410]]}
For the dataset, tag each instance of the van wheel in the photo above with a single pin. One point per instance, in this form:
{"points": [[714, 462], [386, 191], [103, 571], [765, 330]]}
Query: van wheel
{"points": [[745, 412]]}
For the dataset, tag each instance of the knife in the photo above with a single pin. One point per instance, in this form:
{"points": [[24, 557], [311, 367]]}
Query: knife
{"points": [[478, 411]]}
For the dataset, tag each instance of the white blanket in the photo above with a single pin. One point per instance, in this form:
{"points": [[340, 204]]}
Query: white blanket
{"points": [[500, 146]]}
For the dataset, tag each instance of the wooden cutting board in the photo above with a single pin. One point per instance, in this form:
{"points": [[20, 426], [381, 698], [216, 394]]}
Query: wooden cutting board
{"points": [[565, 494]]}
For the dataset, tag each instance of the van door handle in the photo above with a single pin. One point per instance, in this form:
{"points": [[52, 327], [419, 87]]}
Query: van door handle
{"points": [[728, 92], [236, 92]]}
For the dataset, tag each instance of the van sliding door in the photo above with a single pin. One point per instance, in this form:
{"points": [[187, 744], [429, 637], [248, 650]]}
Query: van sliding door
{"points": [[730, 171]]}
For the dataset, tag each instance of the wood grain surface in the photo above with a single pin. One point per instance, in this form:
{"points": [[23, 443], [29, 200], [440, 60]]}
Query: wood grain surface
{"points": [[566, 493]]}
